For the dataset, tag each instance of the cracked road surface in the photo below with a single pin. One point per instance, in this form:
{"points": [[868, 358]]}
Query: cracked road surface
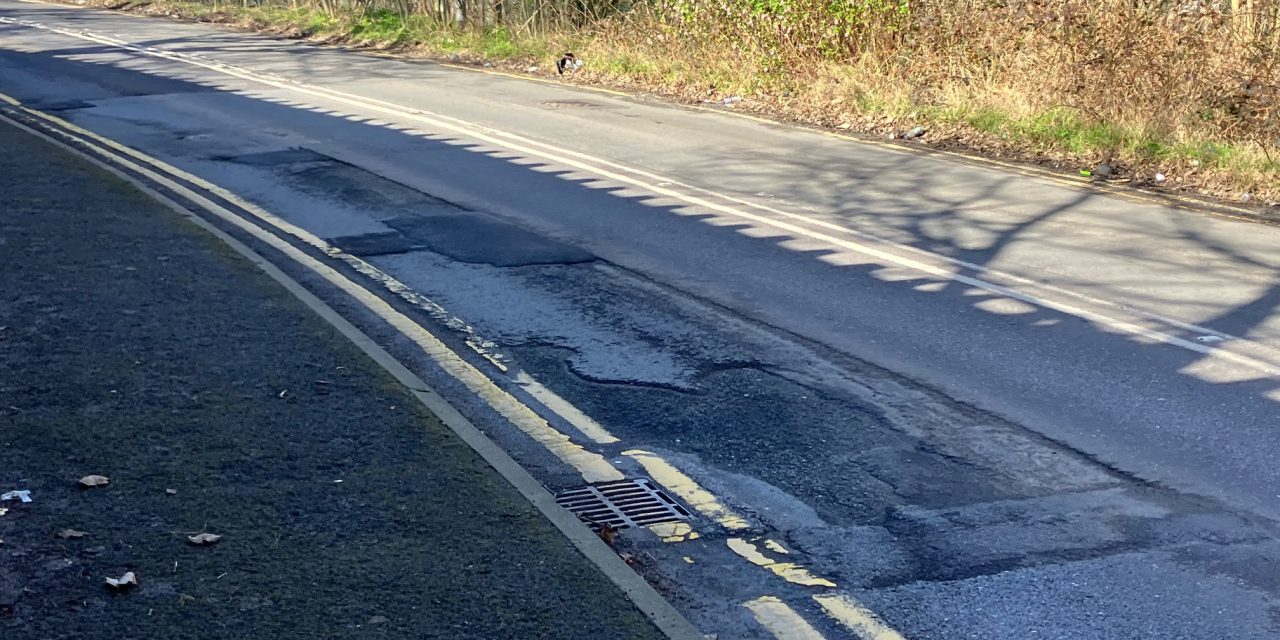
{"points": [[925, 399], [139, 347]]}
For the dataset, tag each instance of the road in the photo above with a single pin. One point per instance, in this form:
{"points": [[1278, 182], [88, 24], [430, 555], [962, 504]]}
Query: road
{"points": [[183, 393], [980, 403]]}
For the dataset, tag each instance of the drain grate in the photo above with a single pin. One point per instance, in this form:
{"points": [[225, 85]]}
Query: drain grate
{"points": [[622, 504]]}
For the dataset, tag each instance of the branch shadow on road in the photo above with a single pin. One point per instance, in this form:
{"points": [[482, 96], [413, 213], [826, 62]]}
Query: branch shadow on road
{"points": [[914, 205]]}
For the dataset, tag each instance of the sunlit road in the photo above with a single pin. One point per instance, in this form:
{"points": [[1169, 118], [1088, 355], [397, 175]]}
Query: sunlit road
{"points": [[978, 403]]}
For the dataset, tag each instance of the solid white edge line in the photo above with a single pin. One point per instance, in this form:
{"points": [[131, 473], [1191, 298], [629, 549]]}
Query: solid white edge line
{"points": [[641, 593], [516, 142]]}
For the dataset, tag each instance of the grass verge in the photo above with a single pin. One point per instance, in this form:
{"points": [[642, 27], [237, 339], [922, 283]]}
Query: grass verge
{"points": [[1204, 121]]}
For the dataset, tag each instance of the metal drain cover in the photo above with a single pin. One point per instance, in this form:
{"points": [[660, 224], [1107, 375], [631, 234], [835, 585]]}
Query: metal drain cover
{"points": [[622, 504]]}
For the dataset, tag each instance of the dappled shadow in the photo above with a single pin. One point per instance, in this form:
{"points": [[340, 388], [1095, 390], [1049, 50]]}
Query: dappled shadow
{"points": [[875, 296]]}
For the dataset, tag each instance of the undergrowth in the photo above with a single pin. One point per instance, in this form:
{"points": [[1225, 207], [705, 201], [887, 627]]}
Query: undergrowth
{"points": [[1187, 90]]}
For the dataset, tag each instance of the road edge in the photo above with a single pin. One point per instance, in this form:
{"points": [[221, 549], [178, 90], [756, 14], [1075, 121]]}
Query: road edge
{"points": [[1204, 205], [653, 605]]}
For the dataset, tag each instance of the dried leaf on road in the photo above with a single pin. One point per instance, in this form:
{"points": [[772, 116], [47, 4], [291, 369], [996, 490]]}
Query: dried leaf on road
{"points": [[171, 492], [22, 495], [123, 582], [67, 534], [91, 481], [608, 533], [204, 538]]}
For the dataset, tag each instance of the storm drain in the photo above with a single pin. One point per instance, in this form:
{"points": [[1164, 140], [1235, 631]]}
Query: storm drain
{"points": [[622, 504]]}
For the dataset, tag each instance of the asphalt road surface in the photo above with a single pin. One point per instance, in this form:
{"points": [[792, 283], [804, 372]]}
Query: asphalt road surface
{"points": [[138, 347], [974, 402]]}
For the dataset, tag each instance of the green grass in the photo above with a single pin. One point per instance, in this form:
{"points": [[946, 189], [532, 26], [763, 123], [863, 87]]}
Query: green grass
{"points": [[1055, 132], [1065, 130]]}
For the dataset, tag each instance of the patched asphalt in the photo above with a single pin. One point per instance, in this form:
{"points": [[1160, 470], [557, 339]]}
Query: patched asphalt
{"points": [[138, 347]]}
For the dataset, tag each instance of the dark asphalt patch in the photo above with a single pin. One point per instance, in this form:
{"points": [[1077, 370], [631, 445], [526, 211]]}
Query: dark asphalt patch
{"points": [[476, 238], [275, 158], [374, 244], [139, 348]]}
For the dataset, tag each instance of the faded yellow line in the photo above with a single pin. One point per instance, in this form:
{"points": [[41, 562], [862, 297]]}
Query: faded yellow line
{"points": [[592, 466], [865, 244], [855, 617], [781, 620], [674, 531], [688, 490], [775, 546], [789, 571]]}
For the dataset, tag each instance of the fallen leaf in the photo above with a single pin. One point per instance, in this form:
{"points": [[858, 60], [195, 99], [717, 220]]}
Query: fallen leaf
{"points": [[204, 538], [123, 582], [184, 599], [67, 534], [171, 492], [89, 482], [608, 533], [3, 511]]}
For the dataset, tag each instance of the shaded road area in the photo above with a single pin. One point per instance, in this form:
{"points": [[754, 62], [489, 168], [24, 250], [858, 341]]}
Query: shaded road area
{"points": [[900, 397], [138, 347]]}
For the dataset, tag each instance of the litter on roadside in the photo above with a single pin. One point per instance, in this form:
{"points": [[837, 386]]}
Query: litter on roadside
{"points": [[22, 495], [202, 539], [123, 582]]}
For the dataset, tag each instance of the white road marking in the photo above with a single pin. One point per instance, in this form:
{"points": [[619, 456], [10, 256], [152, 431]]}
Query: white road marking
{"points": [[618, 172], [592, 466]]}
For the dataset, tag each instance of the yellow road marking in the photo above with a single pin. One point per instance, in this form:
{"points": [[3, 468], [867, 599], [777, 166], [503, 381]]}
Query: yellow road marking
{"points": [[775, 546], [855, 617], [674, 531], [687, 489], [775, 615], [781, 620], [581, 421], [789, 571], [866, 247], [652, 604], [592, 466]]}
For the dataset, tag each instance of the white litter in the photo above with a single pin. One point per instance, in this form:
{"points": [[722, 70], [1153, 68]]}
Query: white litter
{"points": [[23, 495]]}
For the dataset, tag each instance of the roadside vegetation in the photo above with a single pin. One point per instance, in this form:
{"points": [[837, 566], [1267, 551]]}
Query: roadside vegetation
{"points": [[1172, 94]]}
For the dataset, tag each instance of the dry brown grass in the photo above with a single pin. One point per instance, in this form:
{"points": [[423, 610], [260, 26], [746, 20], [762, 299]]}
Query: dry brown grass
{"points": [[1189, 89]]}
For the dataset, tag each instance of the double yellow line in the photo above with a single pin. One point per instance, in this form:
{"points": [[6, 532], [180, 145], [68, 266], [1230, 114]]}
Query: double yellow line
{"points": [[146, 173]]}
